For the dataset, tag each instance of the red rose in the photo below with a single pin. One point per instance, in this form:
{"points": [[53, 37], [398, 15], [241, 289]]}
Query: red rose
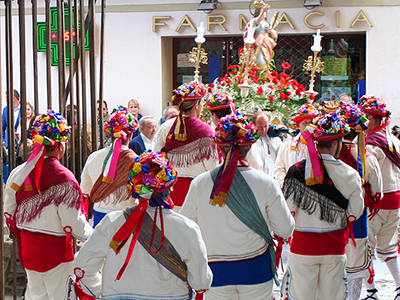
{"points": [[286, 98], [298, 92], [282, 95], [285, 65], [288, 93], [302, 88], [274, 74], [294, 83], [275, 80], [262, 80], [260, 90], [312, 97], [271, 98]]}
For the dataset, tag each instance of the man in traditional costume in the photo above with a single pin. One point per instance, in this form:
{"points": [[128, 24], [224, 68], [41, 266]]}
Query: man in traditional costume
{"points": [[100, 179], [324, 195], [294, 149], [383, 233], [187, 140], [170, 259], [238, 237], [358, 251], [44, 208]]}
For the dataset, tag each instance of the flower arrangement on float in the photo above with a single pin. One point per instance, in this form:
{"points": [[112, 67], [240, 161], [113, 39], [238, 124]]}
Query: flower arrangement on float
{"points": [[267, 91]]}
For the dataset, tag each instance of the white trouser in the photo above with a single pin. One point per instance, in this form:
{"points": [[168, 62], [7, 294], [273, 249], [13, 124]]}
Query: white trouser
{"points": [[308, 277], [50, 285], [241, 292]]}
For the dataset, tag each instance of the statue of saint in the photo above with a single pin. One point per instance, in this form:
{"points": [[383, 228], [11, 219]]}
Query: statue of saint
{"points": [[265, 36]]}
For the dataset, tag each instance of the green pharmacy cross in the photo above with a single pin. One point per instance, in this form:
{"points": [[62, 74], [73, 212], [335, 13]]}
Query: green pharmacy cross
{"points": [[69, 35]]}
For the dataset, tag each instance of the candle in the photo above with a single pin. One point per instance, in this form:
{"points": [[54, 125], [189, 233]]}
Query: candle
{"points": [[317, 42], [250, 35], [200, 34]]}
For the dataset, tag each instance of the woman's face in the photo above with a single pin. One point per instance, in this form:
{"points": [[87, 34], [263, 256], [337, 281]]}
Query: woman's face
{"points": [[133, 108], [29, 112]]}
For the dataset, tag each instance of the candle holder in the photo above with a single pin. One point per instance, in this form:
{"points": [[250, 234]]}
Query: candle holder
{"points": [[198, 55], [313, 64]]}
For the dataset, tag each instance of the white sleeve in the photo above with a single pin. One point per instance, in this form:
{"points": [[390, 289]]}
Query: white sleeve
{"points": [[279, 216], [189, 208], [91, 258], [199, 273], [10, 203], [86, 180], [280, 163], [73, 217], [356, 200], [374, 175], [161, 135], [254, 159]]}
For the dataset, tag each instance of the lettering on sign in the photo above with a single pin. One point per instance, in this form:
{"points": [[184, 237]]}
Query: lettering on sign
{"points": [[311, 20]]}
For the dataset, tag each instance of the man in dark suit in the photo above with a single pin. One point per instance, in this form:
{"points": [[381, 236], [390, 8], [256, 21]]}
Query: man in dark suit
{"points": [[145, 140], [17, 117]]}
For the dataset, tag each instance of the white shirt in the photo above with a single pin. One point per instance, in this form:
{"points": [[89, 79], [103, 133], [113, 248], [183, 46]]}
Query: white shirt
{"points": [[264, 153], [147, 143]]}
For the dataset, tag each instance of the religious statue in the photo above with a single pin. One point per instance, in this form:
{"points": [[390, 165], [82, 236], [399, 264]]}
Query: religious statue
{"points": [[264, 34]]}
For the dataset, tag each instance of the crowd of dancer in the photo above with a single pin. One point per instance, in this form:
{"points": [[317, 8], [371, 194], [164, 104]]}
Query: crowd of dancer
{"points": [[188, 212]]}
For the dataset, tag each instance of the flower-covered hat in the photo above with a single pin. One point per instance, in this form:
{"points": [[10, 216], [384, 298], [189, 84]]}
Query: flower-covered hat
{"points": [[373, 105], [235, 128], [233, 131], [47, 130], [353, 116], [150, 173], [121, 123], [219, 100], [188, 91], [306, 111], [119, 126], [330, 127]]}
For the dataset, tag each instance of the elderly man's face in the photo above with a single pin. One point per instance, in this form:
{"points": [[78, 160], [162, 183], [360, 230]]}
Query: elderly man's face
{"points": [[262, 125], [149, 129]]}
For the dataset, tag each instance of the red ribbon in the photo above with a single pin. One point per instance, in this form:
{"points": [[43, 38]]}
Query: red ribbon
{"points": [[38, 171], [154, 230], [133, 224], [278, 252], [379, 128], [200, 294], [80, 294], [68, 242], [371, 275], [349, 232]]}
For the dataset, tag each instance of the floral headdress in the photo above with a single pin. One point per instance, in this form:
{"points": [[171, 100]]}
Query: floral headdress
{"points": [[330, 127], [233, 131], [220, 100], [184, 96], [121, 123], [306, 111], [47, 130], [374, 105], [119, 126], [150, 174], [353, 116], [323, 129]]}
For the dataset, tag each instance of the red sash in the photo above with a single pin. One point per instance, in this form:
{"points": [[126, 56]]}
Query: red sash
{"points": [[313, 243], [42, 252]]}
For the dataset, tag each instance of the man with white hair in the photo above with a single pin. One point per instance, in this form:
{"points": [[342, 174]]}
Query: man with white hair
{"points": [[146, 138]]}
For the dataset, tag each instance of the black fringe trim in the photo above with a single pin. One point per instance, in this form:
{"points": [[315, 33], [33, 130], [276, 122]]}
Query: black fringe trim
{"points": [[309, 200]]}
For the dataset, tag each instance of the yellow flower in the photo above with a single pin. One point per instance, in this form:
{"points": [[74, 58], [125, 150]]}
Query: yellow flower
{"points": [[138, 188], [162, 175], [137, 168]]}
